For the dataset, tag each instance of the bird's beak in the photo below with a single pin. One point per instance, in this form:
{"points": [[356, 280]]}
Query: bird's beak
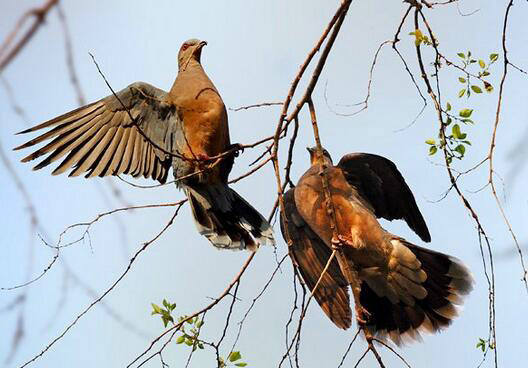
{"points": [[309, 149], [202, 44]]}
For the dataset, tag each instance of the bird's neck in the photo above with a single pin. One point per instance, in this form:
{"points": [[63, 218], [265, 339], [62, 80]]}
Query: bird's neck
{"points": [[190, 81], [321, 160], [189, 64]]}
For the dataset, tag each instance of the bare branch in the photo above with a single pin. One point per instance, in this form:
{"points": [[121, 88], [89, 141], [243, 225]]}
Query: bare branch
{"points": [[492, 147], [39, 15], [95, 302], [262, 104]]}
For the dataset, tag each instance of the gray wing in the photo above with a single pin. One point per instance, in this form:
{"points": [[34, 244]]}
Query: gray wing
{"points": [[101, 138], [378, 181], [310, 255]]}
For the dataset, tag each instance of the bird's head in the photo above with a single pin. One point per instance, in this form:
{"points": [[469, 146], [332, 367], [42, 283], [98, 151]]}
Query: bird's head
{"points": [[314, 157], [190, 50]]}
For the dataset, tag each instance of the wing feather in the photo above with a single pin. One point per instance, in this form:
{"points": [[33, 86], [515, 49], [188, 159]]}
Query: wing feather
{"points": [[89, 152], [105, 149], [111, 153], [68, 137], [102, 139], [381, 184], [135, 164], [73, 143], [129, 152], [66, 121], [310, 255]]}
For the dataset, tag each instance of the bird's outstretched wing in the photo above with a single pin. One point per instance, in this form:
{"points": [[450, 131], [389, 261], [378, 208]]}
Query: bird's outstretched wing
{"points": [[102, 139], [378, 181], [310, 255]]}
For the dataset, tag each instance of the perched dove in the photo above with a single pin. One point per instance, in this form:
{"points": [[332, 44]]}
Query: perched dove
{"points": [[145, 131], [403, 289]]}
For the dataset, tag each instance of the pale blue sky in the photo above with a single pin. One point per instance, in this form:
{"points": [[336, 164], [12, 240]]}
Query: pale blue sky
{"points": [[254, 51]]}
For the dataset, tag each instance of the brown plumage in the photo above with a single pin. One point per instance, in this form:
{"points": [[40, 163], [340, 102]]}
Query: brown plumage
{"points": [[403, 289], [190, 122]]}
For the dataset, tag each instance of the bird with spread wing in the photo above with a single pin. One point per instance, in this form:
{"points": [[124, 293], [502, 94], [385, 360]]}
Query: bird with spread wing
{"points": [[399, 289], [144, 131]]}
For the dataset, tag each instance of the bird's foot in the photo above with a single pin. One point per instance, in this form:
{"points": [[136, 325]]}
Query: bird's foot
{"points": [[239, 148], [339, 241], [362, 315], [203, 157]]}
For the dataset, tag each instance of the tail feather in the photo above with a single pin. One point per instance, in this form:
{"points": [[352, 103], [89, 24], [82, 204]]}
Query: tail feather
{"points": [[417, 303], [227, 219]]}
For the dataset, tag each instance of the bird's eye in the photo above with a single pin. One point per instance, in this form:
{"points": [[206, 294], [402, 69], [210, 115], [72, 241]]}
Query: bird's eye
{"points": [[185, 46]]}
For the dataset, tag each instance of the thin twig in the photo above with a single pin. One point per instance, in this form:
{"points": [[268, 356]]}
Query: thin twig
{"points": [[262, 104], [39, 15], [107, 291]]}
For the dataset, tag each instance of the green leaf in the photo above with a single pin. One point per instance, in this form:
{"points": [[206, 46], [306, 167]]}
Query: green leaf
{"points": [[462, 92], [234, 356], [476, 89], [180, 339], [448, 121], [465, 121], [462, 80], [418, 37], [430, 141], [488, 87], [494, 57], [481, 344], [465, 113], [432, 150], [240, 364], [460, 149], [485, 73], [461, 55], [482, 63], [456, 131], [166, 318], [448, 108], [156, 309]]}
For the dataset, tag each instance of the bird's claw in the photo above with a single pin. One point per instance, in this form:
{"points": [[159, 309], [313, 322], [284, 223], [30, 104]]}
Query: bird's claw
{"points": [[338, 241], [238, 149], [203, 157], [362, 315]]}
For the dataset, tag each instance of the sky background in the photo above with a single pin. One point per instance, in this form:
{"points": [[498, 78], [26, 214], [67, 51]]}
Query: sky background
{"points": [[254, 51]]}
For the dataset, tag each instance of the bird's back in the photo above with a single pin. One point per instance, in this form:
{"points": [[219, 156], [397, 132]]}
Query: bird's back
{"points": [[355, 221]]}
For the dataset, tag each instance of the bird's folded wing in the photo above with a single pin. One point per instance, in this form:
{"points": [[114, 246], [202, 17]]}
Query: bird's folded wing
{"points": [[378, 181], [102, 139], [310, 256]]}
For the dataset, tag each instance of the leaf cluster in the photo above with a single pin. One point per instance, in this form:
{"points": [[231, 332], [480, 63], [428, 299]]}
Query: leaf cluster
{"points": [[451, 136], [190, 333]]}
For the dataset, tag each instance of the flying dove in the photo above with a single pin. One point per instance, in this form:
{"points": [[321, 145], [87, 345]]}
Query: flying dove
{"points": [[144, 131], [403, 289]]}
